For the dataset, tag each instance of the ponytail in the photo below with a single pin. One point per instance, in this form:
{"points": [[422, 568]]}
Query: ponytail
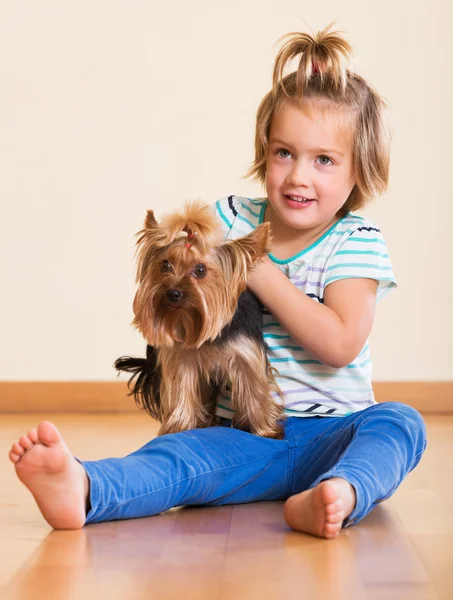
{"points": [[321, 56]]}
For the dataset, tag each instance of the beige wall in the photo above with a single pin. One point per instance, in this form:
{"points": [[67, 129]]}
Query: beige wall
{"points": [[108, 108]]}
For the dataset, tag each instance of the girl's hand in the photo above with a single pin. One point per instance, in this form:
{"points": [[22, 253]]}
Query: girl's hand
{"points": [[262, 272]]}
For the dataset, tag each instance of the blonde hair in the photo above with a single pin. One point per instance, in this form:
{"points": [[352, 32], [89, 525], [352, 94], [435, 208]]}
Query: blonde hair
{"points": [[322, 81]]}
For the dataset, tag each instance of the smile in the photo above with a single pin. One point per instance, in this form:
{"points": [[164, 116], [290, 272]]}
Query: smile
{"points": [[300, 199]]}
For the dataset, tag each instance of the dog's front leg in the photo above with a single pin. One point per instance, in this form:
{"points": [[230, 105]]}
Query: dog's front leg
{"points": [[256, 410], [181, 402]]}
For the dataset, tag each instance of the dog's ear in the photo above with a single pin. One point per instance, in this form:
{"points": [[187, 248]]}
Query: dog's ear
{"points": [[149, 239], [237, 257], [150, 230], [150, 220], [254, 246], [152, 234]]}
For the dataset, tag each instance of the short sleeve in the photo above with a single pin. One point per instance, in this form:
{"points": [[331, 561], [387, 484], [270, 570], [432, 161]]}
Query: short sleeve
{"points": [[363, 254], [225, 212]]}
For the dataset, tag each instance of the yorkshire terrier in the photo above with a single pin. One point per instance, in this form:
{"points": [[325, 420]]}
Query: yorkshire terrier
{"points": [[203, 328]]}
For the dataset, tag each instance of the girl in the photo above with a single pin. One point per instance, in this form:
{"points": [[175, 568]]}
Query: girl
{"points": [[322, 151]]}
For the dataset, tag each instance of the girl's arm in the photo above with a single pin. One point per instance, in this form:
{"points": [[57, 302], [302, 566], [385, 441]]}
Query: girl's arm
{"points": [[334, 332]]}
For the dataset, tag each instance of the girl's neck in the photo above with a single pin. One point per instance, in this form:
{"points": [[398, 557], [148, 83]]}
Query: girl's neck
{"points": [[287, 242]]}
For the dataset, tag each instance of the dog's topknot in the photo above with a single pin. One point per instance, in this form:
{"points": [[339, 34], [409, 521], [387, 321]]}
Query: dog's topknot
{"points": [[195, 221]]}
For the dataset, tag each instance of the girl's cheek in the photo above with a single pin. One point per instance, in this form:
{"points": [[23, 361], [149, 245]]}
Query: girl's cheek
{"points": [[276, 170], [270, 173]]}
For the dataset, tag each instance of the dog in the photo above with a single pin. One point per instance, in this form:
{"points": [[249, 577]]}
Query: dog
{"points": [[202, 326]]}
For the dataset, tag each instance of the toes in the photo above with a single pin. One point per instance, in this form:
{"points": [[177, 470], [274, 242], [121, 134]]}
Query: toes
{"points": [[337, 517], [13, 457], [333, 507], [33, 435], [17, 449], [331, 536], [331, 530], [48, 434], [25, 442]]}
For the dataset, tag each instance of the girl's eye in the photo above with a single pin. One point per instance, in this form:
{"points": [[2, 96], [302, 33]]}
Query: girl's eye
{"points": [[166, 267], [200, 271], [282, 153], [325, 160]]}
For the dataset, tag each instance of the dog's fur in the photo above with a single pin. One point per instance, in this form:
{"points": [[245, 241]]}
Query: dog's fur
{"points": [[202, 326]]}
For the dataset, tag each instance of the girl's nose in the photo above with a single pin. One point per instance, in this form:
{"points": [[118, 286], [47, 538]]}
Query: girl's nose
{"points": [[300, 175]]}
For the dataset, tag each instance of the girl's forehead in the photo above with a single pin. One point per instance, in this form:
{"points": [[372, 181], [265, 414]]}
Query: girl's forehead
{"points": [[314, 120]]}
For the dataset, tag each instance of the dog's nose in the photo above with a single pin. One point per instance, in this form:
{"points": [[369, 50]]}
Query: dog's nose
{"points": [[174, 295]]}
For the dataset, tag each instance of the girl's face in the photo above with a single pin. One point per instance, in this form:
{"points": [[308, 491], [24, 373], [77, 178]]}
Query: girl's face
{"points": [[309, 169]]}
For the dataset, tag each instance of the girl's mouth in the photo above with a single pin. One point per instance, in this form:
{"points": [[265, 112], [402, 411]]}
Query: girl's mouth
{"points": [[299, 201]]}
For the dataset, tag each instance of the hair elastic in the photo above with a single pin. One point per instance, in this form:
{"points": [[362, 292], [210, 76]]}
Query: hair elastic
{"points": [[190, 236]]}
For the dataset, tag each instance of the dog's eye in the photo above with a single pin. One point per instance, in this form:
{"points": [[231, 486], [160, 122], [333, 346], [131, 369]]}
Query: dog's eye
{"points": [[200, 271], [166, 267]]}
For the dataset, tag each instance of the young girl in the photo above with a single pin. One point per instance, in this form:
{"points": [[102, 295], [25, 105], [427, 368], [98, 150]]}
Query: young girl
{"points": [[322, 151]]}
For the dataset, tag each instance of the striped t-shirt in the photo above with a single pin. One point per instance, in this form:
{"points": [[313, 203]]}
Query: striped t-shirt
{"points": [[352, 248]]}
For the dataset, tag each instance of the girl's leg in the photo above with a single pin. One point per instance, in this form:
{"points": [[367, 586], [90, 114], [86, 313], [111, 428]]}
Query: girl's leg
{"points": [[212, 466], [372, 451]]}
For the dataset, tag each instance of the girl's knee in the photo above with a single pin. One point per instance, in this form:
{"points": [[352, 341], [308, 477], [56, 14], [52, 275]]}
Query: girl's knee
{"points": [[404, 412], [404, 417], [398, 410]]}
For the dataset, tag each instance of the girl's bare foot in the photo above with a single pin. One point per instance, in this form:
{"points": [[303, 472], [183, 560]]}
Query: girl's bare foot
{"points": [[321, 510], [57, 481]]}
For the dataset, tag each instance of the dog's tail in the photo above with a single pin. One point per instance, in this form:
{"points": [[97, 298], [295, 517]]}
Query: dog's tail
{"points": [[144, 384]]}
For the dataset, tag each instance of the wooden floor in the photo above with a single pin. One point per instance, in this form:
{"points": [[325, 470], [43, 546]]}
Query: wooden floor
{"points": [[402, 550]]}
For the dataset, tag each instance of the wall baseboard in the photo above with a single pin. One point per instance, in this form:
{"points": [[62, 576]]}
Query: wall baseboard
{"points": [[111, 396]]}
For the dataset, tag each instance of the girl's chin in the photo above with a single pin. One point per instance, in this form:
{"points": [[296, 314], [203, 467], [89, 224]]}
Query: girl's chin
{"points": [[299, 219]]}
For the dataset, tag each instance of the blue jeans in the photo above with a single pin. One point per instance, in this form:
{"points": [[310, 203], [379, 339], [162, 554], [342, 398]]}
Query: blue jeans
{"points": [[373, 450]]}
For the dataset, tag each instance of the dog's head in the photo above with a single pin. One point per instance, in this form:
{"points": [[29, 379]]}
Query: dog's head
{"points": [[189, 279]]}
